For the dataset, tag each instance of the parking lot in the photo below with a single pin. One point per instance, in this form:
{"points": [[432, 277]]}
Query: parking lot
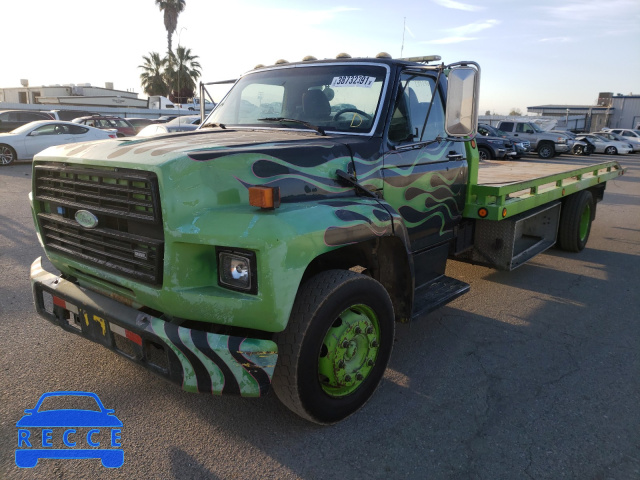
{"points": [[534, 374]]}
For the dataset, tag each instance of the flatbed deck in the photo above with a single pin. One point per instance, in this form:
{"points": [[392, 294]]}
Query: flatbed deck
{"points": [[506, 188]]}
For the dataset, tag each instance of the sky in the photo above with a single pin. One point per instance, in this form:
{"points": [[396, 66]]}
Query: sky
{"points": [[531, 52]]}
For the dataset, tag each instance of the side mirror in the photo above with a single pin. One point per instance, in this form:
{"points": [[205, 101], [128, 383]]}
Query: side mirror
{"points": [[461, 118]]}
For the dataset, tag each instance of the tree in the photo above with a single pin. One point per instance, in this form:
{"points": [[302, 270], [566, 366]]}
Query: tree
{"points": [[172, 9], [152, 78], [515, 112], [182, 73]]}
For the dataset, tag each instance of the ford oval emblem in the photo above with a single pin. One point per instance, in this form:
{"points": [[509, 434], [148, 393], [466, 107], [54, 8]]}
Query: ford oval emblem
{"points": [[86, 219]]}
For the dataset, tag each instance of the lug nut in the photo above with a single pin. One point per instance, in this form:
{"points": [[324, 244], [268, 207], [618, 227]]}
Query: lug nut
{"points": [[359, 376], [341, 364], [369, 330], [345, 344], [374, 343], [370, 363], [347, 378], [358, 330]]}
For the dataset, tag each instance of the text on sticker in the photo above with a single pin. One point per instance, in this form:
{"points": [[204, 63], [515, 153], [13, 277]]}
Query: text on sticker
{"points": [[353, 81]]}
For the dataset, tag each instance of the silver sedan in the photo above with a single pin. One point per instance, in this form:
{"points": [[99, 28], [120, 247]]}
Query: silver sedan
{"points": [[26, 141]]}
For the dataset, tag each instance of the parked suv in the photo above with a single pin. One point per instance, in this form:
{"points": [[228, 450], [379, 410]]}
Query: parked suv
{"points": [[494, 148], [124, 128], [12, 119], [520, 146], [547, 144]]}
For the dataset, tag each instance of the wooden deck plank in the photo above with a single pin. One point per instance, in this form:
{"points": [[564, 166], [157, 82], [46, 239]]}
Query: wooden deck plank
{"points": [[496, 173]]}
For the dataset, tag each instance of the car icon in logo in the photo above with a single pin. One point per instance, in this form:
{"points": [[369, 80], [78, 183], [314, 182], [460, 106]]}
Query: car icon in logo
{"points": [[69, 433]]}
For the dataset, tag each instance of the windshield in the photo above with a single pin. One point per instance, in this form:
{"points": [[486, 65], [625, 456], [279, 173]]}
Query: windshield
{"points": [[342, 98]]}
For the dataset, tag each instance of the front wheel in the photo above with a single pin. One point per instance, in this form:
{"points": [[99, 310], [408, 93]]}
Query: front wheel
{"points": [[7, 155], [336, 347], [611, 150], [578, 150], [484, 154], [546, 150]]}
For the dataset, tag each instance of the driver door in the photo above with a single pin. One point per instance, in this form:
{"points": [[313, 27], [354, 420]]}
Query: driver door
{"points": [[424, 174]]}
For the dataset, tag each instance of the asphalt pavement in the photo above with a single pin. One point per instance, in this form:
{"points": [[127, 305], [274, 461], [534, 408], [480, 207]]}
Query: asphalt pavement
{"points": [[534, 374]]}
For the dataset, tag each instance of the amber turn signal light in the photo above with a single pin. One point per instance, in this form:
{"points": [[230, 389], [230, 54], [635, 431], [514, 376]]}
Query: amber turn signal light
{"points": [[483, 212], [264, 197]]}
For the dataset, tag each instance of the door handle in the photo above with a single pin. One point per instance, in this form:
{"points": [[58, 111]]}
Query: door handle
{"points": [[455, 157]]}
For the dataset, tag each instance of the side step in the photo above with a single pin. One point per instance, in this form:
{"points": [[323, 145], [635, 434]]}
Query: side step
{"points": [[437, 293]]}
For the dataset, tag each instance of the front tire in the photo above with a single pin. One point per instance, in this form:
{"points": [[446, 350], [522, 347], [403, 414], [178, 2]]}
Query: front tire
{"points": [[578, 212], [578, 150], [611, 151], [484, 154], [336, 347], [7, 155], [546, 151]]}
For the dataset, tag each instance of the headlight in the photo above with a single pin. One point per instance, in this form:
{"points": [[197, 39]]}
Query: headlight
{"points": [[237, 270], [562, 140]]}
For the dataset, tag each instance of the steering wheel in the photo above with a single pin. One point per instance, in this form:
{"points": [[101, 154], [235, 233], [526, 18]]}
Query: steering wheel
{"points": [[353, 110]]}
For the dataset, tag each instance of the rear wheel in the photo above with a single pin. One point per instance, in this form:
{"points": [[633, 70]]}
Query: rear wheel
{"points": [[546, 150], [335, 349], [576, 217], [7, 155]]}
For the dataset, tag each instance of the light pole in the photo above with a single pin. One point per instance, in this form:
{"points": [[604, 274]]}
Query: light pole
{"points": [[179, 66]]}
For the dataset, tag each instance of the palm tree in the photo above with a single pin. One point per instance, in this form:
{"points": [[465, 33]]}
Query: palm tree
{"points": [[182, 73], [172, 9], [152, 78]]}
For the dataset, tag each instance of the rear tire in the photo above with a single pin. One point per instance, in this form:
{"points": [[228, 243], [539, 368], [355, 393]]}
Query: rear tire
{"points": [[7, 155], [334, 351], [578, 212]]}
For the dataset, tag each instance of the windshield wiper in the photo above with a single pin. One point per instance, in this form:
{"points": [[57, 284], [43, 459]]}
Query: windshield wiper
{"points": [[310, 126], [214, 125]]}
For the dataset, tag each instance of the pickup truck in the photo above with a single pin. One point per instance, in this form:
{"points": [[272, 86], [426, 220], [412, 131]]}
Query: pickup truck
{"points": [[277, 245], [547, 144]]}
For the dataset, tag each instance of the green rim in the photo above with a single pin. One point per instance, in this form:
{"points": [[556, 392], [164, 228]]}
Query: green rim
{"points": [[585, 220], [349, 351]]}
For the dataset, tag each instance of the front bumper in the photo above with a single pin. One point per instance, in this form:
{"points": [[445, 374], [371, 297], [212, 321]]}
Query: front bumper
{"points": [[562, 147], [199, 361]]}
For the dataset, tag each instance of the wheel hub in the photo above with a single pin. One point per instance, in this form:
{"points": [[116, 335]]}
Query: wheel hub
{"points": [[349, 352]]}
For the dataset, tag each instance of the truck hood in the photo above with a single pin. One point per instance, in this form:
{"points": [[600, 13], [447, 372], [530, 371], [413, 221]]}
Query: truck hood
{"points": [[225, 163], [308, 149]]}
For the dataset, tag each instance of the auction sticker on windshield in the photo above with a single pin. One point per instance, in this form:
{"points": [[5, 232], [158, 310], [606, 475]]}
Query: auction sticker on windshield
{"points": [[92, 431], [353, 81]]}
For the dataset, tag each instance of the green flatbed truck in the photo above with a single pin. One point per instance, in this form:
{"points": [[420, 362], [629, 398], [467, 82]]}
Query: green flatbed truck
{"points": [[278, 244]]}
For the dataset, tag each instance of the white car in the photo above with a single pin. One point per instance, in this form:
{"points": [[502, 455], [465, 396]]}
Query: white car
{"points": [[160, 128], [632, 141], [610, 147], [26, 141], [628, 133], [185, 120]]}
